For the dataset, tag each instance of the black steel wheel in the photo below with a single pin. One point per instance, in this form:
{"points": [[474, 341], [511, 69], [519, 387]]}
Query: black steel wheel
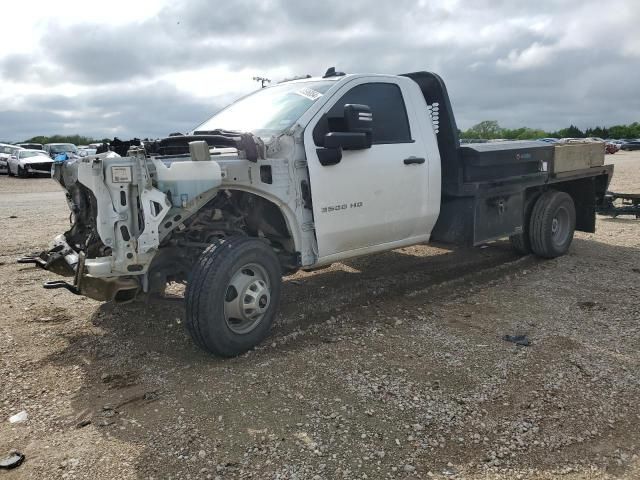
{"points": [[552, 224], [232, 296]]}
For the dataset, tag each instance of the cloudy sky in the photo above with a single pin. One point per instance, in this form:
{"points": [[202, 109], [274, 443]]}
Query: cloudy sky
{"points": [[150, 67]]}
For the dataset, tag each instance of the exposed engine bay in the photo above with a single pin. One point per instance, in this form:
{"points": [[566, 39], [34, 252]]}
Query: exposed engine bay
{"points": [[169, 203]]}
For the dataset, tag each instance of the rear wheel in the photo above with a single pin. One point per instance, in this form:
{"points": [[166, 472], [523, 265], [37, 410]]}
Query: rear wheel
{"points": [[9, 170], [521, 242], [232, 296], [552, 224]]}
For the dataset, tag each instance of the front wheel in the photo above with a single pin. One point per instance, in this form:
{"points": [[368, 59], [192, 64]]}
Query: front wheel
{"points": [[552, 224], [22, 173], [232, 296]]}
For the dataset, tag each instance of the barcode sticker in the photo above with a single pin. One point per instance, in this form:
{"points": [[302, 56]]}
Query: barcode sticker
{"points": [[121, 174], [309, 93]]}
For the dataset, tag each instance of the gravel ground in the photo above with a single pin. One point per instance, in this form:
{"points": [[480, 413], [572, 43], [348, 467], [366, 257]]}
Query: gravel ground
{"points": [[391, 366]]}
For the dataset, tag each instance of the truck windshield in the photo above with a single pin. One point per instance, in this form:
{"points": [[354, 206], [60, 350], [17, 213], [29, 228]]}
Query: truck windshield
{"points": [[268, 111]]}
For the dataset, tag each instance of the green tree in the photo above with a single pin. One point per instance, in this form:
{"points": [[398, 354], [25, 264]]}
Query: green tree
{"points": [[601, 132], [571, 132], [486, 129], [75, 139]]}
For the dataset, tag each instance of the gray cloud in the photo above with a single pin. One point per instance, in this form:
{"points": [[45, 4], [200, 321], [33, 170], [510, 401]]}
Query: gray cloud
{"points": [[543, 65], [149, 111]]}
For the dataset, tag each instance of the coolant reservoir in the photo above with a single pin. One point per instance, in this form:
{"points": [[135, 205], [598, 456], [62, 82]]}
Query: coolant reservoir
{"points": [[183, 181]]}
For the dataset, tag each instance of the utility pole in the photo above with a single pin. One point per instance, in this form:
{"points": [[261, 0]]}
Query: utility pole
{"points": [[262, 81]]}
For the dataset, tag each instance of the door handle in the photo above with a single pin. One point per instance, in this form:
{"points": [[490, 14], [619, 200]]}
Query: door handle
{"points": [[414, 161]]}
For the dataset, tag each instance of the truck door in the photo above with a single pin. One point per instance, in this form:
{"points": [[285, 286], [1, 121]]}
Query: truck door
{"points": [[375, 198]]}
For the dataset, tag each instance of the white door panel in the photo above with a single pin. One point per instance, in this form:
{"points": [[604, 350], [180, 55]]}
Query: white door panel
{"points": [[371, 197]]}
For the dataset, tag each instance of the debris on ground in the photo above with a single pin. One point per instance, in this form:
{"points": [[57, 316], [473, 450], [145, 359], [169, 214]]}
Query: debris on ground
{"points": [[19, 417], [520, 340], [83, 423], [591, 305], [13, 460]]}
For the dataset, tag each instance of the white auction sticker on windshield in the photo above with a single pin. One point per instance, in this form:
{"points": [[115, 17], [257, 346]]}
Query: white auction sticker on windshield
{"points": [[309, 93]]}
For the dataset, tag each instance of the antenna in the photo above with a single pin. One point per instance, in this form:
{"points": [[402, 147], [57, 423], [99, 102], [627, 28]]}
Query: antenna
{"points": [[262, 81]]}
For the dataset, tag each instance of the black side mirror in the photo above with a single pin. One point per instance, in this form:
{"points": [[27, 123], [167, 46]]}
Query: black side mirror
{"points": [[347, 140], [358, 119], [355, 133]]}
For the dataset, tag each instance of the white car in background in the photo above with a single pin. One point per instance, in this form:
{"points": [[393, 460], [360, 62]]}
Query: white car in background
{"points": [[29, 162], [6, 151]]}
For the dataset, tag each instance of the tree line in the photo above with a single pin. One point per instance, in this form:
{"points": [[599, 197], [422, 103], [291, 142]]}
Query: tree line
{"points": [[490, 129], [75, 139]]}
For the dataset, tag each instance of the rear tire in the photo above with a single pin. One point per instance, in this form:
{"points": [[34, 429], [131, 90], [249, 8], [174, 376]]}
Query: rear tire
{"points": [[520, 242], [232, 295], [552, 224], [9, 170]]}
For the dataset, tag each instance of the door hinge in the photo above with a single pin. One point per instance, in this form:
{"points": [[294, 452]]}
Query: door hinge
{"points": [[306, 227]]}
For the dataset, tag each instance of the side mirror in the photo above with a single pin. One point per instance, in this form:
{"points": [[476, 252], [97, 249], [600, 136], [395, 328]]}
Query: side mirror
{"points": [[354, 133], [358, 119], [347, 140]]}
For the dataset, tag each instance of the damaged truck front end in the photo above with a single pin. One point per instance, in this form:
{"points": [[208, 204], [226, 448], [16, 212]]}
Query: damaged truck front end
{"points": [[115, 214], [122, 208], [225, 210]]}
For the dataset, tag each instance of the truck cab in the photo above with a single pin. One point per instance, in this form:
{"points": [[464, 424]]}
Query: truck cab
{"points": [[384, 193], [300, 175]]}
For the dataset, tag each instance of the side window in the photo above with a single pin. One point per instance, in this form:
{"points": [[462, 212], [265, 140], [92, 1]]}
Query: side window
{"points": [[391, 124]]}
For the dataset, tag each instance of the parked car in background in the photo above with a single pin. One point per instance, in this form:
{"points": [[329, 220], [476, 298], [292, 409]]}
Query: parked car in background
{"points": [[6, 150], [610, 147], [631, 145], [54, 149], [24, 163], [31, 146], [86, 151]]}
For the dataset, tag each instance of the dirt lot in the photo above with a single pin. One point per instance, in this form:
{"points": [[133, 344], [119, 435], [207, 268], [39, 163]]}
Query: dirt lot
{"points": [[392, 366]]}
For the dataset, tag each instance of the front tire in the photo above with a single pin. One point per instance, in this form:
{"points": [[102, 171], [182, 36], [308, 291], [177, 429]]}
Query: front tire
{"points": [[552, 224], [232, 296], [22, 173]]}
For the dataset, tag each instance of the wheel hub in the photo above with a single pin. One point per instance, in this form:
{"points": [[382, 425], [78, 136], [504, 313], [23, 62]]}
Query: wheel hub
{"points": [[255, 299], [247, 298], [560, 230]]}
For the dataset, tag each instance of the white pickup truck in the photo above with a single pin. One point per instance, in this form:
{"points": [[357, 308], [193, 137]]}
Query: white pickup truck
{"points": [[297, 176]]}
